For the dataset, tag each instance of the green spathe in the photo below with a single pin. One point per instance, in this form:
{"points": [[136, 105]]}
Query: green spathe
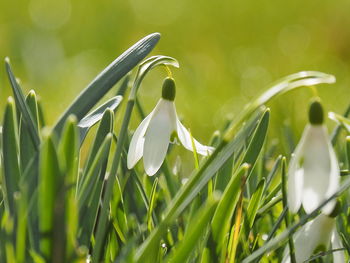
{"points": [[316, 113], [169, 89]]}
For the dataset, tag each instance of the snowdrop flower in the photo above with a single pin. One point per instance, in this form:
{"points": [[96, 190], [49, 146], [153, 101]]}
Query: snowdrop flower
{"points": [[314, 237], [313, 174], [151, 139]]}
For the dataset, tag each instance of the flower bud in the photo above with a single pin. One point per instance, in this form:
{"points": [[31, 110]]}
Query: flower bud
{"points": [[316, 113], [168, 89]]}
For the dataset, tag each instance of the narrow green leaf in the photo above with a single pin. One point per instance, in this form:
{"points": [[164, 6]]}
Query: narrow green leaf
{"points": [[22, 106], [336, 130], [107, 78], [254, 203], [105, 127], [223, 214], [92, 173], [11, 174], [21, 233], [284, 85], [348, 151], [91, 119], [66, 211], [197, 228], [49, 184], [343, 121], [151, 205], [27, 147], [285, 206]]}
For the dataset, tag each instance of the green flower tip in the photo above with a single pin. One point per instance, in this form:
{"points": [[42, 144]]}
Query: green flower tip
{"points": [[316, 113], [169, 89]]}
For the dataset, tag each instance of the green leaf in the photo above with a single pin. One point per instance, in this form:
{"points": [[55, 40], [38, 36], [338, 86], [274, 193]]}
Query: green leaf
{"points": [[27, 147], [196, 229], [286, 84], [105, 127], [90, 192], [49, 175], [11, 174], [107, 78], [92, 174], [22, 106], [254, 203], [91, 119], [151, 204], [223, 214], [66, 212], [343, 121]]}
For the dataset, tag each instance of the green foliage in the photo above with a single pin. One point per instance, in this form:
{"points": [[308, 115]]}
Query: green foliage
{"points": [[68, 197]]}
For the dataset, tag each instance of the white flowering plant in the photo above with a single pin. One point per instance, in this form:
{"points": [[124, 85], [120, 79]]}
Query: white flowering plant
{"points": [[243, 201]]}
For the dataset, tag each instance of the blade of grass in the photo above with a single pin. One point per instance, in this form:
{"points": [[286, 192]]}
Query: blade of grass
{"points": [[152, 199], [237, 226], [11, 174], [196, 229], [91, 119], [105, 127], [66, 212], [285, 205], [49, 184], [222, 218], [107, 78], [22, 106]]}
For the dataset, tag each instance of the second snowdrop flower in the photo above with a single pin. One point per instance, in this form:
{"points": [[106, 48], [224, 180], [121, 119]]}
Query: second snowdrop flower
{"points": [[313, 174], [314, 237], [151, 139]]}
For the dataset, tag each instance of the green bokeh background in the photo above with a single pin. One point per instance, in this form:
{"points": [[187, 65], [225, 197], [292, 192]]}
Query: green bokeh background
{"points": [[229, 52]]}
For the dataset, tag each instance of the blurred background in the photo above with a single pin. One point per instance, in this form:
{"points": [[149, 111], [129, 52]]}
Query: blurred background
{"points": [[229, 52]]}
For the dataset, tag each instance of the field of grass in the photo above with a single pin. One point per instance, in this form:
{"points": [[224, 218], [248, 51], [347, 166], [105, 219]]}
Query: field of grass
{"points": [[240, 202], [226, 138]]}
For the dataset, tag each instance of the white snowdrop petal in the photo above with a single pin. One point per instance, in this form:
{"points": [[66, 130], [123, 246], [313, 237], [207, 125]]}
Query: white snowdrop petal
{"points": [[333, 181], [157, 139], [317, 168], [136, 145], [185, 139], [296, 176], [295, 186], [312, 235], [338, 257]]}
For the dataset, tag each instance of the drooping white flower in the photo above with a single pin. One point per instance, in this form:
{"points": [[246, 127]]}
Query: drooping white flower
{"points": [[314, 237], [313, 174], [151, 139]]}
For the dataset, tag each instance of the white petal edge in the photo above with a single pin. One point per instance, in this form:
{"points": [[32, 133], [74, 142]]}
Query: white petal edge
{"points": [[317, 169], [296, 175], [314, 233], [338, 257], [333, 181], [136, 145], [157, 137], [185, 139]]}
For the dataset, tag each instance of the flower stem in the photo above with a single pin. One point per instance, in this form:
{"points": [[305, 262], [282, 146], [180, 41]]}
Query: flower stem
{"points": [[285, 206]]}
